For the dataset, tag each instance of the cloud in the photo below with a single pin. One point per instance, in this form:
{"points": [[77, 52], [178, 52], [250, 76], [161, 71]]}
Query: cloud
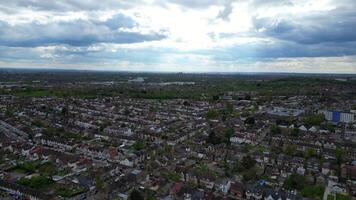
{"points": [[194, 4], [225, 13], [119, 29], [120, 21], [69, 5], [335, 26], [176, 34]]}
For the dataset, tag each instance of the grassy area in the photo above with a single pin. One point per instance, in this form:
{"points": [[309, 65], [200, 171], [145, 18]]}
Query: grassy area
{"points": [[36, 182], [64, 172], [60, 132], [41, 92], [48, 169], [67, 192], [330, 197], [172, 176], [38, 93], [340, 196], [313, 192], [139, 145], [26, 167]]}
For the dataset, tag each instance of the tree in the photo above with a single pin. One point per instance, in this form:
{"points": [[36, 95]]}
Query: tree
{"points": [[290, 150], [250, 121], [139, 145], [64, 111], [276, 130], [9, 113], [99, 182], [250, 174], [295, 181], [213, 139], [331, 128], [212, 114], [136, 195], [340, 155], [229, 108], [312, 120], [48, 169], [228, 133], [294, 132], [248, 162], [310, 153], [215, 97]]}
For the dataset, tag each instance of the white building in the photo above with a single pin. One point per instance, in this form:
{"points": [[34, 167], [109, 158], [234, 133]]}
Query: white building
{"points": [[338, 116]]}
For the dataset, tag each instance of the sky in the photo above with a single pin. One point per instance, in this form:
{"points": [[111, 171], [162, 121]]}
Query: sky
{"points": [[306, 36]]}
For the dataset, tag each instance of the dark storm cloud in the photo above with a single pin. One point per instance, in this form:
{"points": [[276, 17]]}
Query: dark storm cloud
{"points": [[335, 26], [76, 33]]}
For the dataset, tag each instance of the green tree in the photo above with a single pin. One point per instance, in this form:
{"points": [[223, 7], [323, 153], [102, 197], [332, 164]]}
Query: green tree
{"points": [[99, 182], [246, 163], [294, 132], [250, 121], [290, 150], [9, 113], [276, 130], [139, 145], [48, 169], [136, 195], [310, 153], [312, 120], [295, 181], [331, 128], [228, 133], [212, 114], [340, 155], [213, 139], [250, 174], [229, 108]]}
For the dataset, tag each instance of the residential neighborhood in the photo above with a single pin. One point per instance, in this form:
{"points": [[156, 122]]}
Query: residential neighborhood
{"points": [[238, 145]]}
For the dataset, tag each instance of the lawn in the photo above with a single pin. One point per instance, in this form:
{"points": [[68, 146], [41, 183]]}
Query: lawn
{"points": [[26, 167], [36, 182], [330, 197], [67, 192], [313, 192], [340, 196]]}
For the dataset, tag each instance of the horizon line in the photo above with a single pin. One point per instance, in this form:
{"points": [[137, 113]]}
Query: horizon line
{"points": [[178, 72]]}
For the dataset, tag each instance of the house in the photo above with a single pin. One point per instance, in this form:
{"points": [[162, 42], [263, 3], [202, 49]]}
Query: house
{"points": [[175, 188], [223, 186], [254, 192], [279, 195], [127, 162], [136, 176], [237, 190], [313, 165], [301, 170], [325, 169], [303, 128], [348, 171], [23, 192]]}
